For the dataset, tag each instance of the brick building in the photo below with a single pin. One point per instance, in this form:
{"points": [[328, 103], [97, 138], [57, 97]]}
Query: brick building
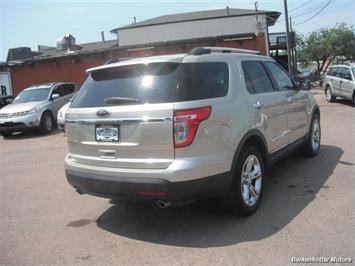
{"points": [[178, 33]]}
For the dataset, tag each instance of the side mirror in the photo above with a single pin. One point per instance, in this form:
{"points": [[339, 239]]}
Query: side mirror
{"points": [[55, 96], [304, 85], [9, 100]]}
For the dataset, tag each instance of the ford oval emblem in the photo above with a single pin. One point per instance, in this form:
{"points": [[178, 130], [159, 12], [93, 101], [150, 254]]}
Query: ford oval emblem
{"points": [[102, 112]]}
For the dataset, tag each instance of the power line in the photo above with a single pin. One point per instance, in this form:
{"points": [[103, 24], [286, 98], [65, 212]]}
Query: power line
{"points": [[314, 8], [309, 9], [308, 19], [302, 5]]}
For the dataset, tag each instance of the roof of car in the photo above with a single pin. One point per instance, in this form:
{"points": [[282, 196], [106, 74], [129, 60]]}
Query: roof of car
{"points": [[47, 85], [178, 58], [351, 66]]}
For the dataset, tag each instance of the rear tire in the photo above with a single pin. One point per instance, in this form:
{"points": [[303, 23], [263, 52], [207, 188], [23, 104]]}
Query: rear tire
{"points": [[46, 124], [328, 94], [354, 99], [312, 145], [6, 135], [246, 191]]}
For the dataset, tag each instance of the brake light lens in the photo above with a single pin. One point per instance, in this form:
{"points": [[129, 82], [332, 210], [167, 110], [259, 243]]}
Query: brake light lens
{"points": [[186, 123]]}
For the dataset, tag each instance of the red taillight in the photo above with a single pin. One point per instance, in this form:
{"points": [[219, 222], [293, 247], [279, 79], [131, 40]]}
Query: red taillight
{"points": [[186, 123]]}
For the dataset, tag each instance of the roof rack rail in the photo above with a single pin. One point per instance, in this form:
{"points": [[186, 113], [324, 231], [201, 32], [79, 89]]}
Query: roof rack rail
{"points": [[208, 50]]}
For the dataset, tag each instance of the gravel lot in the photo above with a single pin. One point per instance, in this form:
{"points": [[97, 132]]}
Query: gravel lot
{"points": [[307, 211]]}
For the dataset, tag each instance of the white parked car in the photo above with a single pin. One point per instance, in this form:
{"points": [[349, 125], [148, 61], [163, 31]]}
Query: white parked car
{"points": [[61, 116], [35, 107]]}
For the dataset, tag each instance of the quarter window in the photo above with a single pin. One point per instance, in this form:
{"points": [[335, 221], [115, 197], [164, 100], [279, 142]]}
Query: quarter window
{"points": [[256, 78], [345, 73]]}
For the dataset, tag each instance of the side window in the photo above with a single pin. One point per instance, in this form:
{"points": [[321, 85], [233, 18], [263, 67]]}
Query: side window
{"points": [[337, 72], [281, 79], [330, 72], [68, 89], [64, 89], [57, 91], [256, 78]]}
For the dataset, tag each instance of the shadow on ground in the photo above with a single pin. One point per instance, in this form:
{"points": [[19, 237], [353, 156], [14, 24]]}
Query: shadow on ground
{"points": [[344, 101], [291, 185], [31, 135]]}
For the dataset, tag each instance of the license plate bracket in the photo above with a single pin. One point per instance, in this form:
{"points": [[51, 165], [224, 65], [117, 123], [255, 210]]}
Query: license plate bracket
{"points": [[107, 133]]}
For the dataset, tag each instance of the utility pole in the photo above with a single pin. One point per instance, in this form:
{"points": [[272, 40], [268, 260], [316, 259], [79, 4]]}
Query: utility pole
{"points": [[257, 15], [293, 50], [288, 39]]}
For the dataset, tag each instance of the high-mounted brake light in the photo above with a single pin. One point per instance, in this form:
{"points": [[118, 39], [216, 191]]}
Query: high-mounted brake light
{"points": [[186, 123]]}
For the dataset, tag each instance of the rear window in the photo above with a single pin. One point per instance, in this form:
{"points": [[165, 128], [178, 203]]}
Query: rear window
{"points": [[154, 83]]}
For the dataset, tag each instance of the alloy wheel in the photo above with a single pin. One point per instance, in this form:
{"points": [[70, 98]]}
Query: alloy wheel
{"points": [[48, 123], [251, 180], [315, 135]]}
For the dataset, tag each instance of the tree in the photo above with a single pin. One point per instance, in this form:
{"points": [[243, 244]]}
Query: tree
{"points": [[300, 41], [325, 45]]}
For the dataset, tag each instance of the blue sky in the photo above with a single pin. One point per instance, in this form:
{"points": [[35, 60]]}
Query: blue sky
{"points": [[29, 23]]}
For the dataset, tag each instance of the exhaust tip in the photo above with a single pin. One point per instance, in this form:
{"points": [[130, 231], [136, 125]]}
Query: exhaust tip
{"points": [[163, 204]]}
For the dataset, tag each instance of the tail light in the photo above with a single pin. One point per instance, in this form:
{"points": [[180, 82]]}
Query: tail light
{"points": [[186, 123]]}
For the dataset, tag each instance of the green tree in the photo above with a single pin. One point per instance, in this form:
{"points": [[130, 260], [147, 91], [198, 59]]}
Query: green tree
{"points": [[325, 45], [300, 41]]}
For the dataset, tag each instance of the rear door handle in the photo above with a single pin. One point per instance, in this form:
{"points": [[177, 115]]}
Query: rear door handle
{"points": [[290, 99], [331, 79], [258, 104]]}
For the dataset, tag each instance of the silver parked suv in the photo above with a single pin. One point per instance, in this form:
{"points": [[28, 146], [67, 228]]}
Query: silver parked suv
{"points": [[35, 108], [340, 82], [181, 127]]}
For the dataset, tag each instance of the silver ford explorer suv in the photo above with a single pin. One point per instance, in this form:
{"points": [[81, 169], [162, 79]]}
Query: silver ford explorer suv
{"points": [[35, 108], [177, 128], [340, 82]]}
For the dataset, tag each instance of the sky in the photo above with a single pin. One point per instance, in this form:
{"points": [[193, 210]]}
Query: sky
{"points": [[29, 23]]}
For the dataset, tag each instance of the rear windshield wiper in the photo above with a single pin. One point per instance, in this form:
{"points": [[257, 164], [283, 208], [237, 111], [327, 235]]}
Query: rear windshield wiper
{"points": [[120, 100]]}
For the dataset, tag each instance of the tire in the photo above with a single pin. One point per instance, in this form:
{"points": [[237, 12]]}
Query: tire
{"points": [[6, 135], [312, 145], [240, 200], [328, 94], [47, 123], [354, 99]]}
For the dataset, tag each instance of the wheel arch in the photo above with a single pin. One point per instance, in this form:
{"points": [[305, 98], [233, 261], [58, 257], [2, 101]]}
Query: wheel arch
{"points": [[316, 111], [253, 138], [328, 85], [47, 111]]}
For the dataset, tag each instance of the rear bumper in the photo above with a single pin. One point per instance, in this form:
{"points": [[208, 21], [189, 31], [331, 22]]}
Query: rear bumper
{"points": [[149, 189]]}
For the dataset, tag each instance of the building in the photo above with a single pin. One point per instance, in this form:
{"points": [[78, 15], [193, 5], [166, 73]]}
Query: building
{"points": [[176, 33]]}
